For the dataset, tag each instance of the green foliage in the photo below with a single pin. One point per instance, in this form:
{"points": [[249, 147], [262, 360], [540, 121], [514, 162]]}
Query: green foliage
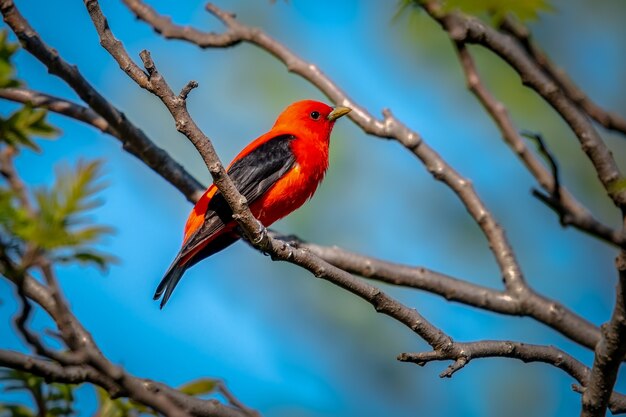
{"points": [[19, 128], [618, 185], [498, 9], [123, 407], [23, 124], [59, 226], [200, 386], [495, 10], [119, 407], [56, 400], [7, 49]]}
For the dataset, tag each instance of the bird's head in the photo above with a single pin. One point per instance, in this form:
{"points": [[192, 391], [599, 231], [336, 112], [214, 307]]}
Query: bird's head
{"points": [[309, 117]]}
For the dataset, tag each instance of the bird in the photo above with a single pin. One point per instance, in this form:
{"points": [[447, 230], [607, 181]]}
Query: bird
{"points": [[276, 173]]}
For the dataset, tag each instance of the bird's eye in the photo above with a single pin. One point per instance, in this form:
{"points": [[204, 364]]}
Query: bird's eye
{"points": [[315, 115]]}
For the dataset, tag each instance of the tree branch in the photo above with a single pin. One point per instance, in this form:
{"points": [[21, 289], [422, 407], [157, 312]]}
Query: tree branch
{"points": [[570, 211], [609, 120], [609, 352], [7, 170], [59, 105], [539, 75], [134, 139], [95, 368], [77, 374], [466, 29], [83, 352], [525, 352], [547, 311]]}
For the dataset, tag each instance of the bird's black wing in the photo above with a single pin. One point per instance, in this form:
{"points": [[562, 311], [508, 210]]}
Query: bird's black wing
{"points": [[253, 175]]}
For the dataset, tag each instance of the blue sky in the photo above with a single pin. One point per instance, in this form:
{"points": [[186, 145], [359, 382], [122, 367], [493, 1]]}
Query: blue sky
{"points": [[287, 344]]}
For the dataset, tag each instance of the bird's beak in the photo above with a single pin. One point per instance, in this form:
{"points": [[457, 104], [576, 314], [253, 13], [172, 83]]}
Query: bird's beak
{"points": [[338, 112]]}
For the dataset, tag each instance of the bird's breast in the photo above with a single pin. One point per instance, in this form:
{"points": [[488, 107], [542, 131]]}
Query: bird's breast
{"points": [[289, 193]]}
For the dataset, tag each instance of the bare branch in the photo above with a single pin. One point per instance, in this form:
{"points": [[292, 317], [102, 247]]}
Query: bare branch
{"points": [[609, 120], [223, 389], [504, 349], [83, 350], [163, 25], [21, 323], [54, 372], [59, 105], [466, 29], [95, 368], [77, 338], [134, 140], [77, 374], [7, 170], [542, 309], [570, 211], [609, 352], [556, 193], [465, 352]]}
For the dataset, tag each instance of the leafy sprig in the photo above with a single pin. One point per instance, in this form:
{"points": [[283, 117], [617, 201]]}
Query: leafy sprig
{"points": [[59, 225]]}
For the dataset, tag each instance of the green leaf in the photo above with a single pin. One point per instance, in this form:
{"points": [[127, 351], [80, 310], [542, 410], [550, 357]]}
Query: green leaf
{"points": [[494, 10], [7, 71], [60, 226], [118, 407], [24, 124], [498, 9], [58, 398], [617, 186], [199, 387], [60, 223], [16, 410], [97, 259]]}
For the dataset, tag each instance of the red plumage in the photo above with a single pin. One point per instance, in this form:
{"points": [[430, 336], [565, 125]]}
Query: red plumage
{"points": [[277, 173]]}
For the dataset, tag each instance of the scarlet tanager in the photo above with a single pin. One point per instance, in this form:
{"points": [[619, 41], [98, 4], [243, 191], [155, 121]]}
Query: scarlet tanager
{"points": [[276, 173]]}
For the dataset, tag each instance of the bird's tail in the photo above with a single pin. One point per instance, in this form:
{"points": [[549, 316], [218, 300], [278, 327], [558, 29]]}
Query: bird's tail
{"points": [[170, 280], [187, 258]]}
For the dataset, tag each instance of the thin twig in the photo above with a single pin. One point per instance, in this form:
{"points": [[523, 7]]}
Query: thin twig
{"points": [[467, 29], [134, 139], [7, 170], [536, 75], [515, 350], [608, 119], [570, 211], [234, 401], [76, 374], [59, 105], [556, 193]]}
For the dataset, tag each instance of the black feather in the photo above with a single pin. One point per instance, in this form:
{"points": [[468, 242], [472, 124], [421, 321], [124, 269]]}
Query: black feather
{"points": [[253, 175]]}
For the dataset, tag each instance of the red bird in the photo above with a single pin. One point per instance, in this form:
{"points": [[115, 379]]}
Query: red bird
{"points": [[277, 173]]}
